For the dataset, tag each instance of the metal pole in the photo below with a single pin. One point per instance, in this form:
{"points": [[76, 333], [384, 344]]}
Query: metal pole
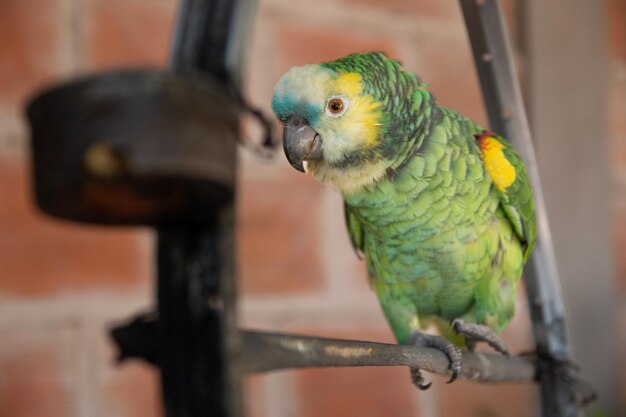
{"points": [[505, 108], [196, 296], [197, 326]]}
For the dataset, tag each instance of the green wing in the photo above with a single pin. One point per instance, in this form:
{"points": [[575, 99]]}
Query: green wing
{"points": [[355, 229], [517, 200]]}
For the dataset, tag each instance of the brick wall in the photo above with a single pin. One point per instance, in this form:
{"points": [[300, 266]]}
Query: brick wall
{"points": [[62, 285]]}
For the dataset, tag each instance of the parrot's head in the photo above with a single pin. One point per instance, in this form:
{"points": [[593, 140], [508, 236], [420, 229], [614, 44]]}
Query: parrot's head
{"points": [[346, 118]]}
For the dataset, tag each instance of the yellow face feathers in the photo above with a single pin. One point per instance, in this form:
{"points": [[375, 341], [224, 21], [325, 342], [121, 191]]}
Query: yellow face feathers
{"points": [[358, 126], [349, 84], [348, 120]]}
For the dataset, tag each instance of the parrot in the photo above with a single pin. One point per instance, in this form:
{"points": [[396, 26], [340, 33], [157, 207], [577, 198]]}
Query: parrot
{"points": [[441, 209]]}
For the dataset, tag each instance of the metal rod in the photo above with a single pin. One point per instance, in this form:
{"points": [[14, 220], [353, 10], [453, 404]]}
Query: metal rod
{"points": [[197, 325], [501, 93], [201, 36], [273, 351], [195, 367], [212, 36]]}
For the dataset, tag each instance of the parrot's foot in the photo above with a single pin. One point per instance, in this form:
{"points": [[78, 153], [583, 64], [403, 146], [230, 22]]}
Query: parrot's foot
{"points": [[418, 379], [474, 333], [452, 352]]}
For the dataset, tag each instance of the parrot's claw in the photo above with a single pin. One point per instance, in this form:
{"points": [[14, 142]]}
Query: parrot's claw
{"points": [[418, 379], [479, 333], [437, 342]]}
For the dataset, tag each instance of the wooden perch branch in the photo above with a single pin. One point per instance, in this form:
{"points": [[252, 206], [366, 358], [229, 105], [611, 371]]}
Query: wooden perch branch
{"points": [[273, 351]]}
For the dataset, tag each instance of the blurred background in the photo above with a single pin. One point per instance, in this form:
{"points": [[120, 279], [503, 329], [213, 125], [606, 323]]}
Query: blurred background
{"points": [[62, 285]]}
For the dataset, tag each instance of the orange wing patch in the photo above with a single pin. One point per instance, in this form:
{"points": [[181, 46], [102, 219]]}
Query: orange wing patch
{"points": [[501, 171]]}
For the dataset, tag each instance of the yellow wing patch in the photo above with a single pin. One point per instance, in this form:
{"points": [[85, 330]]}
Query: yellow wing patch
{"points": [[501, 171]]}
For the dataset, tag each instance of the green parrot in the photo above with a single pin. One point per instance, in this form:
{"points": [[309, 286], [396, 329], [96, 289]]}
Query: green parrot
{"points": [[442, 209]]}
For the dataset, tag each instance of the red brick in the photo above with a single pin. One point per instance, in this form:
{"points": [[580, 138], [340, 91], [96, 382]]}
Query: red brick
{"points": [[352, 271], [436, 10], [131, 390], [278, 232], [363, 392], [37, 375], [616, 33], [128, 32], [468, 399], [40, 256], [447, 66], [617, 119], [358, 277], [30, 46], [255, 402], [448, 12], [299, 45]]}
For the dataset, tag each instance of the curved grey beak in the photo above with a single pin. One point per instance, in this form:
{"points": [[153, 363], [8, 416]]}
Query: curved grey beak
{"points": [[301, 142]]}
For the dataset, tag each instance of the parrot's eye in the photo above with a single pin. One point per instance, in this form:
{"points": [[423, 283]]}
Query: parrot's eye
{"points": [[336, 106]]}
